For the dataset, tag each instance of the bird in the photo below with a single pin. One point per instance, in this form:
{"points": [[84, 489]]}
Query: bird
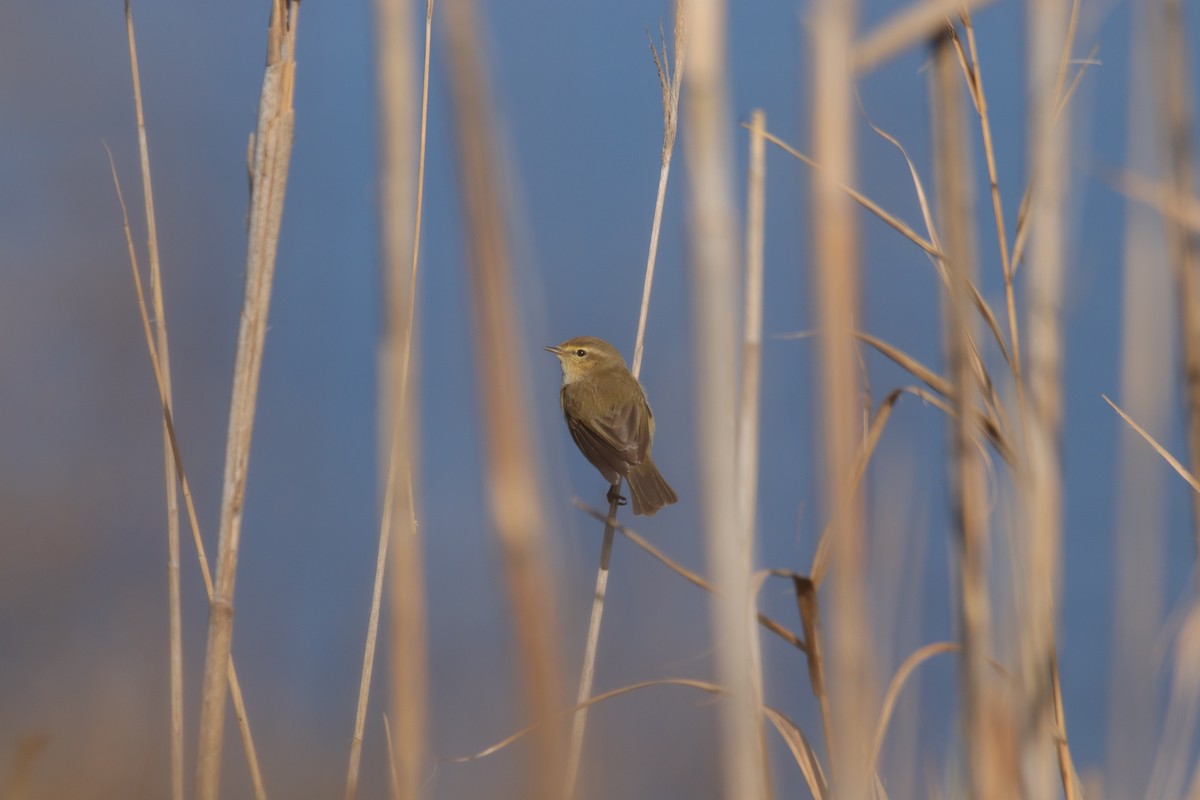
{"points": [[610, 420]]}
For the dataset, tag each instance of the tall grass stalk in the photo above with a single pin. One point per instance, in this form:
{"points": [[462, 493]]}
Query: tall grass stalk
{"points": [[714, 276], [1040, 485], [268, 181], [851, 659], [510, 469], [751, 380], [174, 611], [235, 689], [991, 771], [409, 661], [670, 81]]}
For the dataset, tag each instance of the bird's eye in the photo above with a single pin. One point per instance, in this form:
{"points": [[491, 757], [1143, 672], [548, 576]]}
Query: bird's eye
{"points": [[581, 352]]}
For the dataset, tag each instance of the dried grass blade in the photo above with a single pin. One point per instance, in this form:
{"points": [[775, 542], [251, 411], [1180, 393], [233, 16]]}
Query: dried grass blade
{"points": [[802, 751], [900, 227], [910, 664], [704, 686], [1179, 468], [909, 364], [687, 574], [810, 617], [981, 305]]}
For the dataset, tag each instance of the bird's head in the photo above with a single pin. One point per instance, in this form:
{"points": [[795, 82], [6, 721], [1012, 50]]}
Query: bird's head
{"points": [[584, 356]]}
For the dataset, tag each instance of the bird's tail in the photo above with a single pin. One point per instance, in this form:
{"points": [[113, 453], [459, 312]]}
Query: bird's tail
{"points": [[649, 489]]}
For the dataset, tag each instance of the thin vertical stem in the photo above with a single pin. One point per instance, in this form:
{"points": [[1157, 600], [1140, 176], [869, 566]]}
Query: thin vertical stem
{"points": [[235, 690], [408, 641], [670, 82], [987, 733], [1041, 482], [272, 152], [714, 273], [751, 377], [851, 667], [174, 603]]}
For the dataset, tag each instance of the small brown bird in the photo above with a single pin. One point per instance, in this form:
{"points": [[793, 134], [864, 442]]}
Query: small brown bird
{"points": [[610, 420]]}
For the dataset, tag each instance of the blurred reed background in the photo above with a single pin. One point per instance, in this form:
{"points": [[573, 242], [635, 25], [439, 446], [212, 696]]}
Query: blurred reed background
{"points": [[916, 553]]}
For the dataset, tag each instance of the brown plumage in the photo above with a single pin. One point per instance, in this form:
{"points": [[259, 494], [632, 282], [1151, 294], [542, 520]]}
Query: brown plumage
{"points": [[610, 420]]}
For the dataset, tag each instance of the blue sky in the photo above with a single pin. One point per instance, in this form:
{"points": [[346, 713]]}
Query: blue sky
{"points": [[83, 580]]}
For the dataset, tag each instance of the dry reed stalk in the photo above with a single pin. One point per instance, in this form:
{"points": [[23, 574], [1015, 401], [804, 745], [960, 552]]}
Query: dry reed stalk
{"points": [[235, 689], [751, 379], [174, 603], [516, 498], [669, 80], [1138, 537], [1040, 485], [989, 748], [851, 663], [1177, 130], [272, 150], [408, 641], [901, 227], [714, 260], [911, 25]]}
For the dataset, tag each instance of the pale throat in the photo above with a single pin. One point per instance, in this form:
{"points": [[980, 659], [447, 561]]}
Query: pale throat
{"points": [[569, 375]]}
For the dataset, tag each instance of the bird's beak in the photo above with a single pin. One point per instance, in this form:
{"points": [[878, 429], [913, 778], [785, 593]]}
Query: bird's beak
{"points": [[552, 349]]}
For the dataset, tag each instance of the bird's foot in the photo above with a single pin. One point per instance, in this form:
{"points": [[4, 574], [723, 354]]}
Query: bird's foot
{"points": [[615, 495]]}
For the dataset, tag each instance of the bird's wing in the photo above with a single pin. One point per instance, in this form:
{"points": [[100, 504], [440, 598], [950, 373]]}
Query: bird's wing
{"points": [[627, 431], [598, 450]]}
